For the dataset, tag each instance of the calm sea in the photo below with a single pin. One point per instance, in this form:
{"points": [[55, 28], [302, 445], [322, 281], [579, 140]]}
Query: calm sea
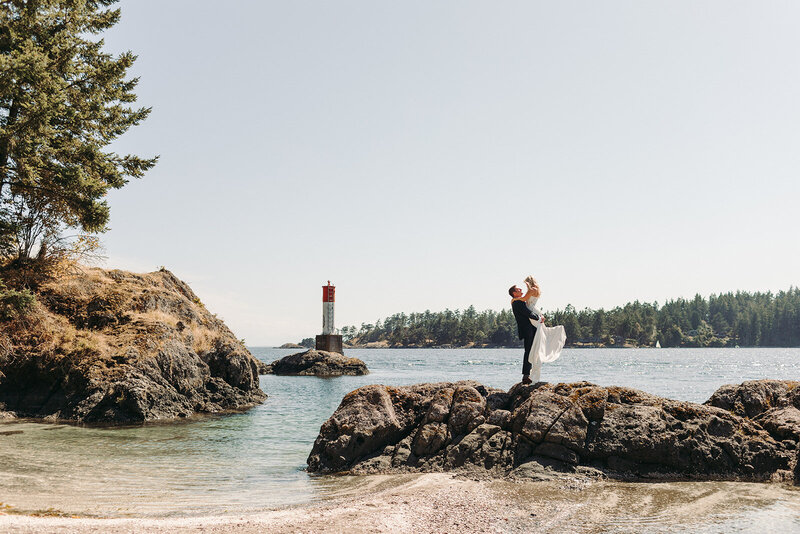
{"points": [[255, 460]]}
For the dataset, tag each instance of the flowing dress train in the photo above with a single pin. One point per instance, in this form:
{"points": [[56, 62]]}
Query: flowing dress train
{"points": [[547, 342]]}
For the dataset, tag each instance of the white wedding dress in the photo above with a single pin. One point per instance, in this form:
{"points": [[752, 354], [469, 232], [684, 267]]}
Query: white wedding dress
{"points": [[547, 343]]}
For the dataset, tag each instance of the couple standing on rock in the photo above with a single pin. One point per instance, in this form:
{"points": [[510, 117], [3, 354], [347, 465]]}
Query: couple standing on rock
{"points": [[542, 343]]}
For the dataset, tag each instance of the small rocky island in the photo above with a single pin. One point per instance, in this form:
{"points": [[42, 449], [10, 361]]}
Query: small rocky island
{"points": [[316, 363], [743, 432], [114, 346]]}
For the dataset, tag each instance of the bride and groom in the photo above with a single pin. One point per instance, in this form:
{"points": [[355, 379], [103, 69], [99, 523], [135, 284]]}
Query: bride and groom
{"points": [[542, 343]]}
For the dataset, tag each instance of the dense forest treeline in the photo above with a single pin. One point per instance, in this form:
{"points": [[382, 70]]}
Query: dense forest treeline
{"points": [[741, 318]]}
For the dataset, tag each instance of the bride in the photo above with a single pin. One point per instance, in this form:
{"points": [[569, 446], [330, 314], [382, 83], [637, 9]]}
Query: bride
{"points": [[548, 340]]}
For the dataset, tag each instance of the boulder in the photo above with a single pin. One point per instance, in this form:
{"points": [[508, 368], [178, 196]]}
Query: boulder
{"points": [[773, 404], [263, 367], [317, 363], [754, 397], [113, 346], [541, 429]]}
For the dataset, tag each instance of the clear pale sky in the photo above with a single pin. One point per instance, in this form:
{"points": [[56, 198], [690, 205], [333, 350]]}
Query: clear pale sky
{"points": [[427, 155]]}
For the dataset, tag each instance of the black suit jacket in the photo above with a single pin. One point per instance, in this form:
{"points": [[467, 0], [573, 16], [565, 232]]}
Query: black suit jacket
{"points": [[523, 316]]}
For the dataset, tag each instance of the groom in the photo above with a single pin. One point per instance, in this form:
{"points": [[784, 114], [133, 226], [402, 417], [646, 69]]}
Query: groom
{"points": [[525, 328]]}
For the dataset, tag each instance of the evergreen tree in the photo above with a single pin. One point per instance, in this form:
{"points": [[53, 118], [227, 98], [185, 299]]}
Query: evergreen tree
{"points": [[63, 100], [599, 324]]}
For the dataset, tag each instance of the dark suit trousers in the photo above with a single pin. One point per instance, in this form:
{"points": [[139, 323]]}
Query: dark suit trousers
{"points": [[528, 340]]}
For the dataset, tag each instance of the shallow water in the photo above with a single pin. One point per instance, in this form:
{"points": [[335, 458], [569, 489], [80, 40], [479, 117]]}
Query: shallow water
{"points": [[697, 507], [255, 460]]}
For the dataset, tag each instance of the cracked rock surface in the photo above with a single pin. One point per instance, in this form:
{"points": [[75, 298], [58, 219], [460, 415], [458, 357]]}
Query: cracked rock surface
{"points": [[744, 432]]}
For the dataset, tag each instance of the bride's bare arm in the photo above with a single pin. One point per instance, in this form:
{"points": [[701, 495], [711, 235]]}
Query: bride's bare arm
{"points": [[533, 288], [534, 292]]}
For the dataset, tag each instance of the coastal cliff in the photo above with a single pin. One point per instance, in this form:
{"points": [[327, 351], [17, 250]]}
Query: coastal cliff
{"points": [[746, 432], [114, 346]]}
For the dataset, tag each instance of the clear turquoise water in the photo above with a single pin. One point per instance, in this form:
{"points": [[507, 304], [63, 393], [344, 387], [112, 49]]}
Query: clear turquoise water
{"points": [[255, 460]]}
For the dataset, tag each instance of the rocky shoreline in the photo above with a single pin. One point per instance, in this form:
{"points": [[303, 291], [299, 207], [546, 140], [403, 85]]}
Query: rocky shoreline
{"points": [[745, 432], [119, 347]]}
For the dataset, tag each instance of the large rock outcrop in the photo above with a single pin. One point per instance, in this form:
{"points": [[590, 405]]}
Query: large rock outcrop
{"points": [[576, 427], [773, 404], [114, 346], [316, 363]]}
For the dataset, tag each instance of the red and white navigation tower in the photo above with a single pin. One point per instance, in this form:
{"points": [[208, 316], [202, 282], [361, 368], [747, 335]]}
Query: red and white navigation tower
{"points": [[328, 298], [329, 340]]}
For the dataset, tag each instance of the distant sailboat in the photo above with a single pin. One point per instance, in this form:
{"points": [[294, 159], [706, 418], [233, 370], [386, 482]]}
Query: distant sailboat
{"points": [[658, 344]]}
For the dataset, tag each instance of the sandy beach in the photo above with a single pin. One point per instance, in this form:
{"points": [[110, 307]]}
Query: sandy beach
{"points": [[442, 503]]}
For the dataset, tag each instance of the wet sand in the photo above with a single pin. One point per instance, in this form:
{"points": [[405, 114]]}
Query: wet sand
{"points": [[441, 503]]}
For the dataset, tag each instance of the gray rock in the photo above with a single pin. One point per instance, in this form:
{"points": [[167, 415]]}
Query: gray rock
{"points": [[430, 439], [755, 397], [782, 422], [533, 471], [368, 419], [317, 363], [773, 404], [540, 430]]}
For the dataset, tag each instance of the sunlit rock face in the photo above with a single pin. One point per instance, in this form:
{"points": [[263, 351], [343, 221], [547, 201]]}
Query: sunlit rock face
{"points": [[114, 346], [543, 430]]}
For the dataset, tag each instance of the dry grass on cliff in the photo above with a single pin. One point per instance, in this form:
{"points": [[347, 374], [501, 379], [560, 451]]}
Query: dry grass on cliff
{"points": [[80, 284], [133, 310], [157, 316], [54, 338], [203, 339]]}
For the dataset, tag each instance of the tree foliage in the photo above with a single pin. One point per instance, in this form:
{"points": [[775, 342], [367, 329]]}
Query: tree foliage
{"points": [[14, 303], [63, 100], [741, 318]]}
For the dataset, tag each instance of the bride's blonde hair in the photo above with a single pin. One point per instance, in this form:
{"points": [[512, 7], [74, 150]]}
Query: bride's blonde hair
{"points": [[530, 281]]}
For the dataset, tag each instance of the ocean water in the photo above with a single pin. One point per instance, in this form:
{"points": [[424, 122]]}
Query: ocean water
{"points": [[255, 461]]}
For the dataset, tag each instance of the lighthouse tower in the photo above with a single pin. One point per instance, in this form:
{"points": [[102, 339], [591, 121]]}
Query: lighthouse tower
{"points": [[328, 340], [328, 298]]}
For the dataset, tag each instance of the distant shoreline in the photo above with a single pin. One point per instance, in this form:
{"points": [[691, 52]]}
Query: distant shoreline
{"points": [[380, 345]]}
